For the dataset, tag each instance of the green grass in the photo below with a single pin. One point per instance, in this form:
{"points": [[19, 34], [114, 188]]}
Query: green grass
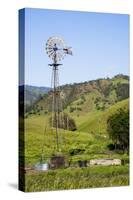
{"points": [[96, 121], [35, 137], [88, 137], [115, 81], [77, 178], [91, 136]]}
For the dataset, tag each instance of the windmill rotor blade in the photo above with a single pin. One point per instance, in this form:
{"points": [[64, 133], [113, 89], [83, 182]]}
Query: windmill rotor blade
{"points": [[50, 50], [50, 55], [56, 46], [49, 47]]}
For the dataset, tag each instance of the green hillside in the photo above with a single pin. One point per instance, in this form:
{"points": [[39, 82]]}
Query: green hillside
{"points": [[100, 94], [96, 121], [89, 104], [91, 136]]}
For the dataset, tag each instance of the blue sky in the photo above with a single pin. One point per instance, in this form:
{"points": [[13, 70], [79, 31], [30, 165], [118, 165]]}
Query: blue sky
{"points": [[100, 43]]}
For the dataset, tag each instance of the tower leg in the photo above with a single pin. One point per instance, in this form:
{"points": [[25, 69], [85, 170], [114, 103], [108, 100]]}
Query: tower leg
{"points": [[56, 106]]}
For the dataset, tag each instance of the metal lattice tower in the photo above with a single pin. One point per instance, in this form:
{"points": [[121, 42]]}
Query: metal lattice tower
{"points": [[56, 50]]}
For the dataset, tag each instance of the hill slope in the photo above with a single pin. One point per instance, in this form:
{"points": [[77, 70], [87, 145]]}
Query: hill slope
{"points": [[100, 94], [89, 104], [97, 121], [31, 94], [87, 139]]}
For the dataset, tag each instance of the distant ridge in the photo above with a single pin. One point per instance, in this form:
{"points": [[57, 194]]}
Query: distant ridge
{"points": [[32, 94]]}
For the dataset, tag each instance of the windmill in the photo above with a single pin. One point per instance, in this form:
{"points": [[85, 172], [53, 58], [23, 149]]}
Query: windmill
{"points": [[56, 50]]}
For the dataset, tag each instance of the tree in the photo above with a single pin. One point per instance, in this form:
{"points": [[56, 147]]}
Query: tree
{"points": [[65, 122], [118, 129], [122, 91]]}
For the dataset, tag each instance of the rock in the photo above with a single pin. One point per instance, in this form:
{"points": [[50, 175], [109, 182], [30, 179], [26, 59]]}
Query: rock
{"points": [[105, 162]]}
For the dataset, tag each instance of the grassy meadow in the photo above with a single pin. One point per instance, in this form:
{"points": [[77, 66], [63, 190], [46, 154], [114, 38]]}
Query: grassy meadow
{"points": [[92, 144], [77, 178], [90, 105]]}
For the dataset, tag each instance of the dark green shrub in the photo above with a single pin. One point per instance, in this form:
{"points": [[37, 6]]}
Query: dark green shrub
{"points": [[76, 151], [118, 129]]}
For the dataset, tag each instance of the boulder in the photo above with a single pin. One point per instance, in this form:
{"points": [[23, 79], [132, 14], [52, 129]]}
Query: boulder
{"points": [[105, 162]]}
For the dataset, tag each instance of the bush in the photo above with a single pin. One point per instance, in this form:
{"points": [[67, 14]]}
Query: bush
{"points": [[79, 108], [46, 112], [72, 109], [76, 151], [125, 161], [111, 146], [118, 129]]}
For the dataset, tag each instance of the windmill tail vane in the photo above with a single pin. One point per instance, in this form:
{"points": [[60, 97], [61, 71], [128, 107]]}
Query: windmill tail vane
{"points": [[68, 50]]}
